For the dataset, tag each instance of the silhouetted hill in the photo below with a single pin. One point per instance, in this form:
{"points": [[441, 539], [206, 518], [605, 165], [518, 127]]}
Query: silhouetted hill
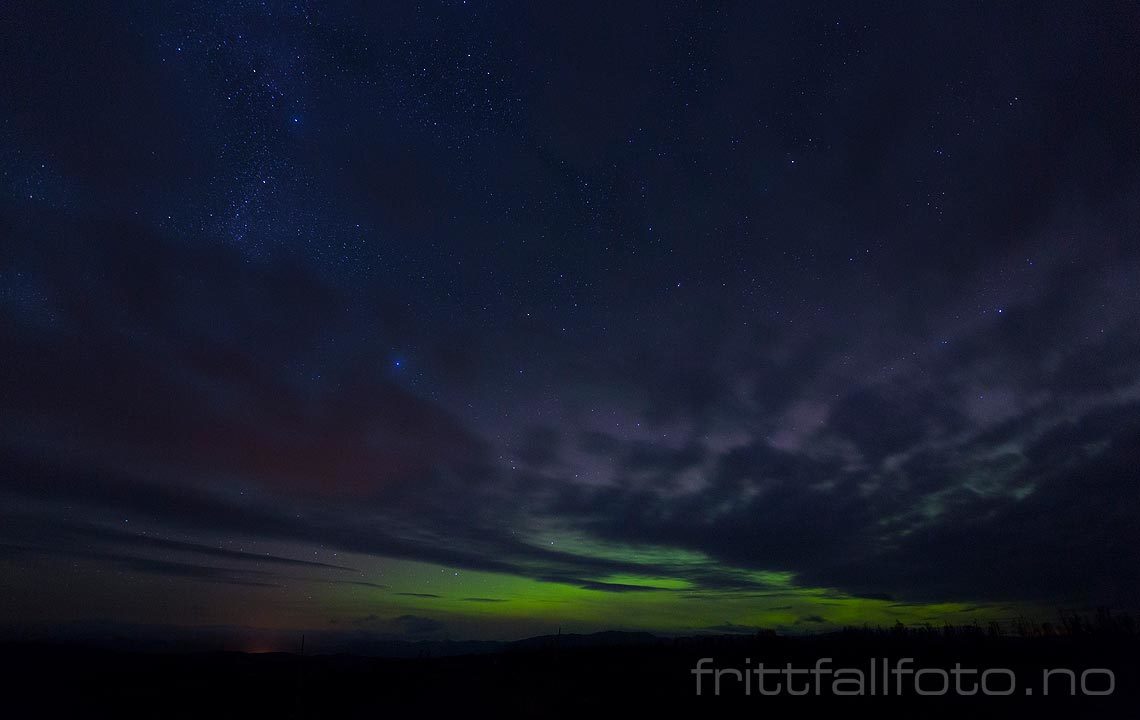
{"points": [[609, 638], [611, 673]]}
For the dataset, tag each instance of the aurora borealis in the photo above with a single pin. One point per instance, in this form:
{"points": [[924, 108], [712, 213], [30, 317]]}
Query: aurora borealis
{"points": [[480, 321]]}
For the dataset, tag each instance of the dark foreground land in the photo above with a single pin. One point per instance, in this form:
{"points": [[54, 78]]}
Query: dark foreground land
{"points": [[580, 676]]}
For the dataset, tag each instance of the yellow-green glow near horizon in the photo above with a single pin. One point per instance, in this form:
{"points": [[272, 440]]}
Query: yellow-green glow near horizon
{"points": [[501, 606]]}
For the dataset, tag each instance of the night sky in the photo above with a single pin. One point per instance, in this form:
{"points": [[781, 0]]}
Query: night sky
{"points": [[477, 320]]}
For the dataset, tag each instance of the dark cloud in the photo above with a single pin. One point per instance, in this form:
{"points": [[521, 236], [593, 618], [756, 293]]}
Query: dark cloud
{"points": [[810, 620], [829, 504], [617, 587], [151, 566], [360, 583]]}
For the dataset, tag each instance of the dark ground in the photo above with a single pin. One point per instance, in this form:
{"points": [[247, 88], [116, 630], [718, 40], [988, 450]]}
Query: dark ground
{"points": [[636, 676]]}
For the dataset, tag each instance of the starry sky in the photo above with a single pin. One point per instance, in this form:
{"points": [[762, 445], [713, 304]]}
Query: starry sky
{"points": [[476, 320]]}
